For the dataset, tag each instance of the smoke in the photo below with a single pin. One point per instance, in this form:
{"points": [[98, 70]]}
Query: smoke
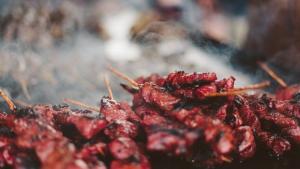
{"points": [[73, 66], [274, 37]]}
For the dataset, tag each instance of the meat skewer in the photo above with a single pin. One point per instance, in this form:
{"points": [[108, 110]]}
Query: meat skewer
{"points": [[277, 144], [205, 131], [46, 145], [240, 90], [122, 129], [152, 94], [272, 141], [233, 91]]}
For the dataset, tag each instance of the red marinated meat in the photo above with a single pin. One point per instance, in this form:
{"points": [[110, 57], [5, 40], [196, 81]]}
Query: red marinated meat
{"points": [[123, 148], [225, 84], [138, 163], [126, 153], [230, 115], [287, 125], [156, 96], [247, 114], [212, 128], [122, 121], [246, 142], [287, 93], [154, 78], [121, 128], [202, 91], [170, 117], [86, 122], [113, 110], [92, 150], [277, 144], [181, 79]]}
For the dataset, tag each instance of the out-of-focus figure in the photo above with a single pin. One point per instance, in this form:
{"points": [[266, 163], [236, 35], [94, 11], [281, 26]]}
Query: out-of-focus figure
{"points": [[274, 32], [271, 32], [221, 20]]}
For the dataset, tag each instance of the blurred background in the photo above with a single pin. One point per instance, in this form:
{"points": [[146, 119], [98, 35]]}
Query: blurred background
{"points": [[56, 49]]}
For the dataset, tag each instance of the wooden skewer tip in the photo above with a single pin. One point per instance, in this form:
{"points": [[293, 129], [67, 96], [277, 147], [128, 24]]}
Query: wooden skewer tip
{"points": [[80, 104], [240, 90], [108, 86], [123, 76], [8, 101], [271, 73]]}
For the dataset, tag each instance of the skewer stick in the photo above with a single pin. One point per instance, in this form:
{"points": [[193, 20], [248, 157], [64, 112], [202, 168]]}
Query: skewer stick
{"points": [[253, 86], [9, 103], [271, 73], [239, 90], [123, 76], [226, 93], [108, 86], [80, 104]]}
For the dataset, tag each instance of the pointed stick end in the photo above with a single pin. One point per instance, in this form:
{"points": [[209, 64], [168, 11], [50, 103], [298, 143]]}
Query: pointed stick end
{"points": [[8, 101], [271, 73], [122, 76], [108, 86]]}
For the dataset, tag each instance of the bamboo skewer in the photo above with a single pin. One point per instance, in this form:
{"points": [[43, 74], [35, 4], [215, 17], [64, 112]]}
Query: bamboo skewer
{"points": [[239, 90], [108, 86], [226, 93], [123, 76], [80, 104], [271, 73], [8, 101]]}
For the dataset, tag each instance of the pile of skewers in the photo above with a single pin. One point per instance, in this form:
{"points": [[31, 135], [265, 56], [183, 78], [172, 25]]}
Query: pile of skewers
{"points": [[193, 118]]}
